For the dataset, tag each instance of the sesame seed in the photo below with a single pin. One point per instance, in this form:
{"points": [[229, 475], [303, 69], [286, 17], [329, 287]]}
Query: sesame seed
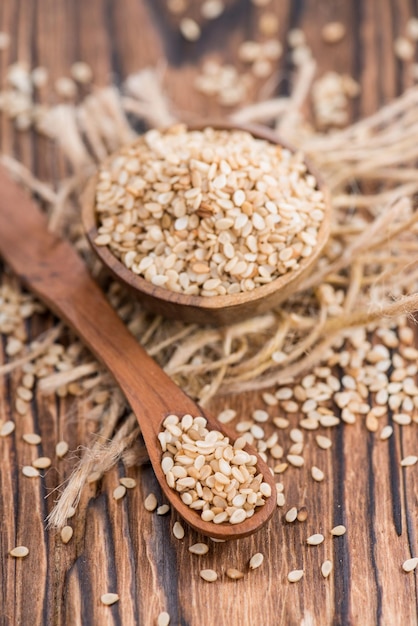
{"points": [[333, 32], [178, 530], [163, 509], [42, 462], [61, 449], [302, 515], [408, 461], [7, 428], [323, 442], [256, 560], [189, 29], [32, 439], [410, 564], [150, 502], [163, 619], [317, 474], [109, 598], [19, 552], [386, 432], [234, 574], [129, 483], [209, 575], [30, 472], [315, 540], [295, 460], [337, 531], [199, 548], [66, 534], [291, 515], [295, 575], [404, 49], [119, 493], [326, 568]]}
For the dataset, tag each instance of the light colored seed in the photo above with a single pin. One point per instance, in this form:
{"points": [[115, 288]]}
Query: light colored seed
{"points": [[256, 560], [333, 32], [295, 460], [128, 482], [178, 530], [409, 460], [211, 9], [42, 462], [65, 87], [21, 406], [317, 474], [19, 552], [386, 432], [338, 530], [226, 416], [150, 502], [404, 49], [163, 509], [234, 574], [280, 499], [326, 568], [163, 619], [410, 564], [66, 534], [7, 428], [209, 575], [315, 540], [402, 419], [81, 72], [29, 471], [119, 492], [190, 29], [109, 598], [323, 442], [32, 439], [291, 515], [295, 575], [13, 346], [61, 449], [199, 548]]}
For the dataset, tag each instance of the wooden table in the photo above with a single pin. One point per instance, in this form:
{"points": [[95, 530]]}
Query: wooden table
{"points": [[118, 546]]}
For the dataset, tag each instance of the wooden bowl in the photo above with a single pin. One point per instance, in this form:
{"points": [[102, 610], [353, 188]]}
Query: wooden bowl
{"points": [[217, 310]]}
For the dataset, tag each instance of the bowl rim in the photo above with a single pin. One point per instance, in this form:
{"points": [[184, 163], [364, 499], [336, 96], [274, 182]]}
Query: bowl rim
{"points": [[142, 285]]}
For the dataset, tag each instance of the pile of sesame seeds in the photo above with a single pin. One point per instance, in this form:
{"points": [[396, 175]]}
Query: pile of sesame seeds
{"points": [[209, 213], [212, 476]]}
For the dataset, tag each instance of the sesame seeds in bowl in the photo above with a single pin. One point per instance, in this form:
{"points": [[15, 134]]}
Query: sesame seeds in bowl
{"points": [[207, 222]]}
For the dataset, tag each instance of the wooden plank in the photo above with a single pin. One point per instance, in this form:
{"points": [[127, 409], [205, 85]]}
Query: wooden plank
{"points": [[119, 547]]}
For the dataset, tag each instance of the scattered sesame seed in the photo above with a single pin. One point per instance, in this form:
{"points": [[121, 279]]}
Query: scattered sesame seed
{"points": [[410, 564], [211, 9], [302, 515], [291, 515], [32, 439], [66, 534], [19, 552], [189, 29], [7, 428], [150, 502], [315, 540], [65, 87], [295, 460], [209, 575], [339, 530], [163, 509], [295, 575], [119, 492], [109, 598], [323, 442], [256, 560], [199, 548], [234, 574], [333, 32], [42, 462], [326, 568], [408, 461], [163, 619], [386, 432], [317, 474], [178, 530], [128, 482], [61, 449], [81, 72], [30, 472], [404, 49]]}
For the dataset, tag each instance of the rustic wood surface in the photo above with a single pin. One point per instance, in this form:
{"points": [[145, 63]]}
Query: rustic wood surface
{"points": [[119, 547]]}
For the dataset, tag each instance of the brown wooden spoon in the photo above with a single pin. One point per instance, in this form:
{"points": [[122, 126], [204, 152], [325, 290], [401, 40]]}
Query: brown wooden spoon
{"points": [[52, 269]]}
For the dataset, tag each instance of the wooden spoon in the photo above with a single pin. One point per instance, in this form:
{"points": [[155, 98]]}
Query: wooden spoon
{"points": [[53, 271]]}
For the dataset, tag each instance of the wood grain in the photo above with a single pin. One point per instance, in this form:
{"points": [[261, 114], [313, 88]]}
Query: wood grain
{"points": [[117, 546]]}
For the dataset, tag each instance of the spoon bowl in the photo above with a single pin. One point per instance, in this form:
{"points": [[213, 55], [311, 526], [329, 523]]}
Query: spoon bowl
{"points": [[217, 310], [52, 269]]}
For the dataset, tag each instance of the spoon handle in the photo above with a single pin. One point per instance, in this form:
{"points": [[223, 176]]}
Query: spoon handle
{"points": [[52, 269]]}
